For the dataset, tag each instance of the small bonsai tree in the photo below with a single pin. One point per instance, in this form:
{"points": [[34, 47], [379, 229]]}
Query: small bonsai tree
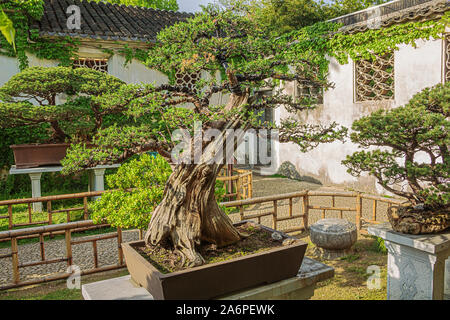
{"points": [[411, 150], [241, 58], [60, 97]]}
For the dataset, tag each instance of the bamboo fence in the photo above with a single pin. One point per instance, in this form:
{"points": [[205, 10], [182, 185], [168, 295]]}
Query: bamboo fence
{"points": [[49, 200], [239, 183], [67, 229], [307, 207]]}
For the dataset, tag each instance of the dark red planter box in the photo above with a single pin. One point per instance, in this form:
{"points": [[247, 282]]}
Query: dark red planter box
{"points": [[218, 279], [39, 155]]}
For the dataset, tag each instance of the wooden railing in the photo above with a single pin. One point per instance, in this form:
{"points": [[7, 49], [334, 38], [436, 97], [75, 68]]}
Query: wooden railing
{"points": [[49, 201], [306, 207], [239, 183], [66, 229]]}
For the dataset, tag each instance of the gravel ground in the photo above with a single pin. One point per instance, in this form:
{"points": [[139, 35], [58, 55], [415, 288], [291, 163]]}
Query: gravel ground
{"points": [[55, 249], [107, 249]]}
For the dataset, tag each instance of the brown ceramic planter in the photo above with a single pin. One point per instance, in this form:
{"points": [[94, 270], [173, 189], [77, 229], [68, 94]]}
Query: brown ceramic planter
{"points": [[38, 155], [218, 279]]}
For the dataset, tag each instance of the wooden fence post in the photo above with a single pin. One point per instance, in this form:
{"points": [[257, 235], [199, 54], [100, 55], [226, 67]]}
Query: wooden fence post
{"points": [[94, 247], [85, 208], [30, 217], [238, 188], [69, 247], [374, 212], [305, 211], [49, 211], [10, 217], [358, 211], [42, 246], [250, 186], [290, 208], [15, 260], [275, 215], [119, 242]]}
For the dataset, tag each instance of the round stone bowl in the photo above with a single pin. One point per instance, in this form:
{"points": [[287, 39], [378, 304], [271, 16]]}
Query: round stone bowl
{"points": [[333, 234]]}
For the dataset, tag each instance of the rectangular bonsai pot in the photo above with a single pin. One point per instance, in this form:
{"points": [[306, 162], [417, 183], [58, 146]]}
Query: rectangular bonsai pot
{"points": [[218, 279], [39, 155]]}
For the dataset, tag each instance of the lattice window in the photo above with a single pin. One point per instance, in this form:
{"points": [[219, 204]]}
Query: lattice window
{"points": [[310, 91], [447, 58], [187, 79], [96, 64], [375, 78]]}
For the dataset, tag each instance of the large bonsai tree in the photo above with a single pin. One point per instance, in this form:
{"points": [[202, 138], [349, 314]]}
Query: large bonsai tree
{"points": [[241, 59], [60, 97], [409, 148]]}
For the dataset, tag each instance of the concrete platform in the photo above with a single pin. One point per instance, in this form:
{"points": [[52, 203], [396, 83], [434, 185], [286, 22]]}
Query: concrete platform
{"points": [[299, 288]]}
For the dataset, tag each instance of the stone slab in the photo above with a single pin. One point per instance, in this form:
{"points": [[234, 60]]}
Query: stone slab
{"points": [[121, 288], [433, 244], [300, 287]]}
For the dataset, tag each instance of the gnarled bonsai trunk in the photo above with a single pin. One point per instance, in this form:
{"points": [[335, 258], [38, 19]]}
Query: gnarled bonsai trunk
{"points": [[189, 213]]}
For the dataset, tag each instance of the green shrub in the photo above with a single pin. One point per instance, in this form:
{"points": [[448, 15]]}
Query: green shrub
{"points": [[147, 176]]}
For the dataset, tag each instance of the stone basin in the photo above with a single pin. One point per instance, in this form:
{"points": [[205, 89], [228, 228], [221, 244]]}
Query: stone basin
{"points": [[333, 237]]}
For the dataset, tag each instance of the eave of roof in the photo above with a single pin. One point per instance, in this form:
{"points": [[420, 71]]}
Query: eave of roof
{"points": [[106, 21]]}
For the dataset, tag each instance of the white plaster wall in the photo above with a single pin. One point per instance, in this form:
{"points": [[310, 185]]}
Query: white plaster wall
{"points": [[134, 72], [415, 69], [33, 61], [8, 68]]}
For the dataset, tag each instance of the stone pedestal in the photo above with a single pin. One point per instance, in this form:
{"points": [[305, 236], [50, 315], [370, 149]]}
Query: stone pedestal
{"points": [[334, 238], [96, 179], [36, 190], [418, 266], [299, 288]]}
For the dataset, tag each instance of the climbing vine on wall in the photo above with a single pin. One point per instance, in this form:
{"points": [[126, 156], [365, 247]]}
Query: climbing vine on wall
{"points": [[378, 42], [22, 13]]}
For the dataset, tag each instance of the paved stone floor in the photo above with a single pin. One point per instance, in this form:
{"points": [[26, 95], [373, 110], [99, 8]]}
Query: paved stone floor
{"points": [[107, 249]]}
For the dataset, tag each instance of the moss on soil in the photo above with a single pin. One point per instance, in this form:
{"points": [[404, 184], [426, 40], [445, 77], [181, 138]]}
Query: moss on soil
{"points": [[258, 240]]}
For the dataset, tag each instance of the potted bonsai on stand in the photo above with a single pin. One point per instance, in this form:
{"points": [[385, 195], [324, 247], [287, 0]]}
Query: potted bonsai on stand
{"points": [[59, 97], [411, 159]]}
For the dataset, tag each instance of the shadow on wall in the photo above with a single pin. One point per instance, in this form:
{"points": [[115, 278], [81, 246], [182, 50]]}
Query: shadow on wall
{"points": [[288, 170], [310, 180]]}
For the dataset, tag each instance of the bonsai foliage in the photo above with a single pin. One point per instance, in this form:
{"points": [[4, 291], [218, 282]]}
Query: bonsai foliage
{"points": [[409, 145], [239, 59], [59, 96]]}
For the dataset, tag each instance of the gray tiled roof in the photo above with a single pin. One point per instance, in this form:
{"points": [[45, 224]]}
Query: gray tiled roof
{"points": [[106, 21], [398, 11]]}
